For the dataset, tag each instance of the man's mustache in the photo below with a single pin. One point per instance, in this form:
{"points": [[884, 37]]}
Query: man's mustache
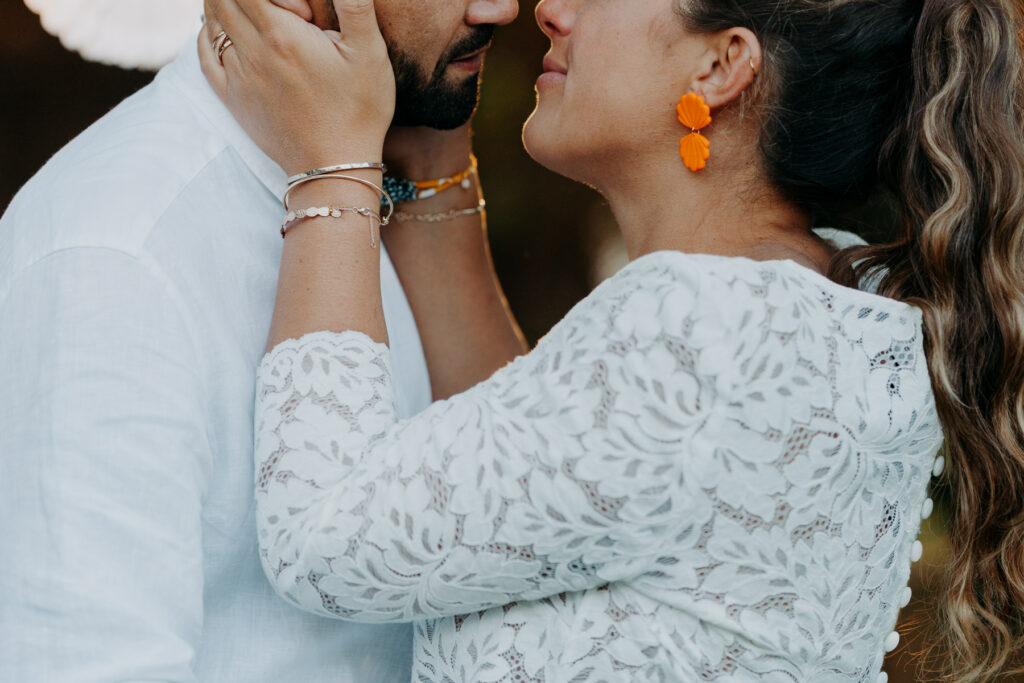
{"points": [[479, 38]]}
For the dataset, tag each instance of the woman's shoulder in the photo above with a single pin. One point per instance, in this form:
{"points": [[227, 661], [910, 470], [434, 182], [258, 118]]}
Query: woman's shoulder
{"points": [[735, 304], [738, 308], [721, 283]]}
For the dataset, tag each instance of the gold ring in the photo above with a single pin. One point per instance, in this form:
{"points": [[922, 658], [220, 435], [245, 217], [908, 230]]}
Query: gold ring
{"points": [[221, 43]]}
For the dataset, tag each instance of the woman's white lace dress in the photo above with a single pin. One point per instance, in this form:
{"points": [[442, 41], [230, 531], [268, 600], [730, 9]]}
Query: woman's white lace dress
{"points": [[711, 469]]}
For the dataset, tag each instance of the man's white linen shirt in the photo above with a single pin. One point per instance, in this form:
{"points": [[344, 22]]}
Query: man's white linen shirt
{"points": [[137, 280]]}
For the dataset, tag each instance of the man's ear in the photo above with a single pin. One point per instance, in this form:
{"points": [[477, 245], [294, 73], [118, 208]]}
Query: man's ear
{"points": [[733, 60]]}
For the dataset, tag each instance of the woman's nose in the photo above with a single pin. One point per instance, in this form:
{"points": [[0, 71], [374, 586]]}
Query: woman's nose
{"points": [[555, 17]]}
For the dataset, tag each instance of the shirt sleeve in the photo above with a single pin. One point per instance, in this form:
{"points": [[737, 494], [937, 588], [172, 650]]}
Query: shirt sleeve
{"points": [[560, 473], [103, 466]]}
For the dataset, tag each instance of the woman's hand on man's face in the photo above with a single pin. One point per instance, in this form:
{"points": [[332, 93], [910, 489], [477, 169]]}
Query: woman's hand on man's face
{"points": [[308, 97], [299, 7]]}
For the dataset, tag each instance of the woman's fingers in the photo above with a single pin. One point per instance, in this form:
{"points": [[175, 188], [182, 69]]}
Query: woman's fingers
{"points": [[357, 20], [307, 97], [211, 66], [227, 16], [266, 15], [300, 8]]}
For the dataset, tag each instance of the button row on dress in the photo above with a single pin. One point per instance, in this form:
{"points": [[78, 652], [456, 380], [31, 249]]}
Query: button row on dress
{"points": [[916, 550], [891, 641]]}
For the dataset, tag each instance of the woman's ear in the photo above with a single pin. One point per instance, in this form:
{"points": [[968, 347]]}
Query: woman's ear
{"points": [[733, 62]]}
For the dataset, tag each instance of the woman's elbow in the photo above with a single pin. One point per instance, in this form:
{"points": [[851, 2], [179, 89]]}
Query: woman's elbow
{"points": [[327, 585]]}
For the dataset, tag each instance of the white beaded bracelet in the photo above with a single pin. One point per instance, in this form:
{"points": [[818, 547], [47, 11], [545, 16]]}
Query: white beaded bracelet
{"points": [[331, 212]]}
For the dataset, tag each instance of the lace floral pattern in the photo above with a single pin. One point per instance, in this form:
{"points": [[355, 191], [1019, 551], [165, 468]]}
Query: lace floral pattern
{"points": [[711, 469]]}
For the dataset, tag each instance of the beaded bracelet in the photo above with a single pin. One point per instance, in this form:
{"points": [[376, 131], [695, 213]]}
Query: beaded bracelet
{"points": [[439, 217], [403, 190], [330, 212]]}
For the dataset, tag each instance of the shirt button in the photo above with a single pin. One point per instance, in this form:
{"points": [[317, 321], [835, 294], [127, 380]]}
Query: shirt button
{"points": [[882, 678], [891, 641], [905, 596], [915, 551], [937, 467], [926, 509]]}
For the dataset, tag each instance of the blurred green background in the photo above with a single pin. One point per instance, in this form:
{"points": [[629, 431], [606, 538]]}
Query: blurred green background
{"points": [[553, 240]]}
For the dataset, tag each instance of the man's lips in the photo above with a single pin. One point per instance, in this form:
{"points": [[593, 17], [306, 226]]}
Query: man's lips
{"points": [[474, 54], [471, 62]]}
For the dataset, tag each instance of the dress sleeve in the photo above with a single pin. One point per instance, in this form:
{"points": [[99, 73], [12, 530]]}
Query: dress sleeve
{"points": [[563, 471], [104, 463]]}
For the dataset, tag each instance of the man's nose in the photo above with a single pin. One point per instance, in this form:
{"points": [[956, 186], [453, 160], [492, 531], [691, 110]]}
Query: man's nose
{"points": [[498, 12]]}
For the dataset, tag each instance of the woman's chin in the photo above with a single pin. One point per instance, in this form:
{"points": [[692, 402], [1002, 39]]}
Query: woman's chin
{"points": [[560, 151], [540, 144]]}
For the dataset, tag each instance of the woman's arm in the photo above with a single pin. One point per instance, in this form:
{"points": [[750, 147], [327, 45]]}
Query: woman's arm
{"points": [[562, 472], [552, 476], [311, 99]]}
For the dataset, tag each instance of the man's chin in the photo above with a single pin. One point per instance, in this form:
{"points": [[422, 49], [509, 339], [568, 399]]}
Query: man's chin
{"points": [[443, 107], [436, 123]]}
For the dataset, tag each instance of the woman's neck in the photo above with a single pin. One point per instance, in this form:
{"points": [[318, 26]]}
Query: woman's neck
{"points": [[662, 208]]}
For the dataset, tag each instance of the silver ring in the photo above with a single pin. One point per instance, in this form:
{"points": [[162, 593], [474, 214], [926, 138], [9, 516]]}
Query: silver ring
{"points": [[221, 43]]}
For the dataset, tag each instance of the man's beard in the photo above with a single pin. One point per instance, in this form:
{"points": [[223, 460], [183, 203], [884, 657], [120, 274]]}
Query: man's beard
{"points": [[433, 101], [430, 101]]}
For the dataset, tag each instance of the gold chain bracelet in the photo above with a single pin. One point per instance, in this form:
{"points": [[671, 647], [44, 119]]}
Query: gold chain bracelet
{"points": [[402, 216]]}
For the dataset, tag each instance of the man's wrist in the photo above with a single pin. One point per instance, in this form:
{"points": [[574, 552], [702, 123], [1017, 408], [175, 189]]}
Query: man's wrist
{"points": [[416, 168], [426, 154]]}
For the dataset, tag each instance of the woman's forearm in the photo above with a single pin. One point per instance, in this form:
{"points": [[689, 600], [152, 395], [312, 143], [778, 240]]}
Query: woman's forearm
{"points": [[330, 273]]}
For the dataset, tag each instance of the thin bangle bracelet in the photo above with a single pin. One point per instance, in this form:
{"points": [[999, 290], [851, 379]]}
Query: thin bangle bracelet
{"points": [[385, 197], [334, 169]]}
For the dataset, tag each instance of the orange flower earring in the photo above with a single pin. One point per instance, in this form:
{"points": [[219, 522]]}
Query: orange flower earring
{"points": [[694, 113]]}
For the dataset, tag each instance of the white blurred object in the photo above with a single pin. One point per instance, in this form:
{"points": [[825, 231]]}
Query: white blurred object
{"points": [[143, 34]]}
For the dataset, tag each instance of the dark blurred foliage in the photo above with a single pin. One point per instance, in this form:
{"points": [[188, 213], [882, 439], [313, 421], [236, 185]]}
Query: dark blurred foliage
{"points": [[552, 239]]}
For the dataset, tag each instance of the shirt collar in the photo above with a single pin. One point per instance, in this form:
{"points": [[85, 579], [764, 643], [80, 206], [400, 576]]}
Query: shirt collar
{"points": [[188, 77]]}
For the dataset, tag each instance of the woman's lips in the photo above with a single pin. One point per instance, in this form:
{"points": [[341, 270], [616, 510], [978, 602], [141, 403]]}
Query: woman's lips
{"points": [[554, 74], [550, 79]]}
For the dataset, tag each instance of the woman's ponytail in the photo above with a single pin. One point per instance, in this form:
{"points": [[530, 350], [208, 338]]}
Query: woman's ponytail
{"points": [[956, 164], [925, 97]]}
